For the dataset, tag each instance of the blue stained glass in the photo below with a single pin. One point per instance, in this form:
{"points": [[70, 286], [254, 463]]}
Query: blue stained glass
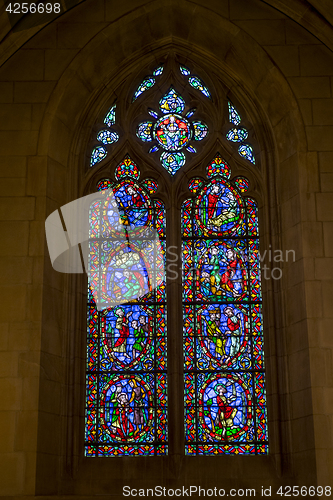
{"points": [[184, 71], [172, 162], [191, 149], [126, 395], [196, 83], [200, 130], [158, 71], [237, 134], [153, 149], [172, 102], [146, 84], [110, 117], [172, 132], [225, 399], [190, 112], [153, 113], [234, 116], [144, 131], [246, 151], [98, 154], [107, 136]]}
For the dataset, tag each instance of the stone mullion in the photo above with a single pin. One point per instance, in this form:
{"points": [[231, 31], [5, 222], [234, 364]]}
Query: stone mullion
{"points": [[175, 335]]}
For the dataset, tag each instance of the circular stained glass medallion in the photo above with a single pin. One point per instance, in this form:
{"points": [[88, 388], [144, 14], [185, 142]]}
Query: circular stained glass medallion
{"points": [[172, 132]]}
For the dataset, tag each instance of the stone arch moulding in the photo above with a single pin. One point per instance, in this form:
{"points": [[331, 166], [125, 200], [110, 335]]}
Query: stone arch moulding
{"points": [[82, 92]]}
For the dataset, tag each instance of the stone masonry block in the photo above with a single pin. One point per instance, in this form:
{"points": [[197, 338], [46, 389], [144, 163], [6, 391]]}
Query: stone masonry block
{"points": [[326, 182], [264, 32], [13, 302], [320, 138], [305, 105], [37, 173], [6, 92], [11, 391], [15, 270], [326, 161], [33, 91], [310, 87], [24, 65], [242, 9], [324, 202], [296, 34], [15, 117], [324, 268], [12, 166], [12, 466], [12, 186], [20, 142], [17, 208], [322, 111], [56, 61], [10, 230], [77, 35], [328, 238], [285, 57], [316, 60]]}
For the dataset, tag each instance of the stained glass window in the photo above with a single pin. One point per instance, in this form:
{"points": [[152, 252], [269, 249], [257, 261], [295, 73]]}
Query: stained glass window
{"points": [[225, 410], [110, 117], [107, 136], [126, 402], [147, 82], [172, 131], [98, 154], [246, 151], [195, 81], [239, 134], [234, 116]]}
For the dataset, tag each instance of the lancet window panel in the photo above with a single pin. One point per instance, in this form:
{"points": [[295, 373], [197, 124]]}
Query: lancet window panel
{"points": [[225, 401], [126, 395]]}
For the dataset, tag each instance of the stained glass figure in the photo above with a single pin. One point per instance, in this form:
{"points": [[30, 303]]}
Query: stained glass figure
{"points": [[225, 399], [144, 131], [185, 71], [172, 132], [107, 136], [237, 134], [151, 185], [196, 83], [126, 402], [104, 184], [242, 183], [200, 130], [194, 184], [218, 167], [98, 154], [172, 162], [246, 151], [110, 117], [127, 168], [172, 102], [234, 116]]}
